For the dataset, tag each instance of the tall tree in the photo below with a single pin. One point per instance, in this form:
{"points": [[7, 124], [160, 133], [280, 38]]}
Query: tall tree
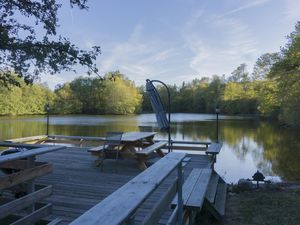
{"points": [[263, 65], [240, 74], [28, 54], [287, 73]]}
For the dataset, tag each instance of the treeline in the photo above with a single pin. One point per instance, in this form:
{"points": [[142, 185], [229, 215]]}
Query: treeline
{"points": [[271, 90], [24, 99], [112, 94]]}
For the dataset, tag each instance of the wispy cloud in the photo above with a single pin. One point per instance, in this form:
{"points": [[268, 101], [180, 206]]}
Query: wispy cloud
{"points": [[232, 44], [292, 10], [137, 57], [248, 5]]}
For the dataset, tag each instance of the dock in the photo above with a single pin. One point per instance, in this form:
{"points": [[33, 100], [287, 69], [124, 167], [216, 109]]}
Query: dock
{"points": [[78, 185]]}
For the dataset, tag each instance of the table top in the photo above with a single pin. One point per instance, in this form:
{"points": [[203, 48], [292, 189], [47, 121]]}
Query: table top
{"points": [[136, 136]]}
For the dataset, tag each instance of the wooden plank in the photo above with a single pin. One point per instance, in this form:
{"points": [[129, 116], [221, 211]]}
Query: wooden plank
{"points": [[85, 138], [197, 196], [32, 152], [18, 164], [159, 208], [21, 145], [186, 148], [96, 149], [23, 202], [151, 148], [55, 221], [24, 175], [214, 148], [194, 189], [128, 136], [25, 139], [126, 199], [212, 187], [136, 136], [221, 198], [188, 187], [35, 216]]}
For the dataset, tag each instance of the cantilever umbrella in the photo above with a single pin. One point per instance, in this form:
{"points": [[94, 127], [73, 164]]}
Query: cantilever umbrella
{"points": [[163, 122]]}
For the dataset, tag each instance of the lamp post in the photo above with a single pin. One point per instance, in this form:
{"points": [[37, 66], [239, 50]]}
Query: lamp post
{"points": [[47, 108], [217, 112]]}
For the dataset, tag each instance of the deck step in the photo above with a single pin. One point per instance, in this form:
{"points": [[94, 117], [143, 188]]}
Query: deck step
{"points": [[212, 187], [220, 200]]}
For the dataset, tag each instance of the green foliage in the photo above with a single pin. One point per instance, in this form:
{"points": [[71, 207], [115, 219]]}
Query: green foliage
{"points": [[24, 99], [29, 54], [114, 94], [120, 96], [286, 72]]}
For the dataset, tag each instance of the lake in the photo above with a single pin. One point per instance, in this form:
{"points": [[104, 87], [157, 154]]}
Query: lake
{"points": [[249, 144]]}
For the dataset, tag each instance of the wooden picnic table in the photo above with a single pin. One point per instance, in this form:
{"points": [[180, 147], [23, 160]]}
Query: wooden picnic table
{"points": [[132, 142]]}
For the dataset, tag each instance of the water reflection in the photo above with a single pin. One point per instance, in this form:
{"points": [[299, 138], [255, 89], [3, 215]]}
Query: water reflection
{"points": [[248, 144]]}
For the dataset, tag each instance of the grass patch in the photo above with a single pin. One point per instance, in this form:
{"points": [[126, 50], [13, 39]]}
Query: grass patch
{"points": [[277, 206]]}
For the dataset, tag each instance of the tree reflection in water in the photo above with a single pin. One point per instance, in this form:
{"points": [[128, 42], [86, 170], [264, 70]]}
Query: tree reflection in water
{"points": [[248, 144]]}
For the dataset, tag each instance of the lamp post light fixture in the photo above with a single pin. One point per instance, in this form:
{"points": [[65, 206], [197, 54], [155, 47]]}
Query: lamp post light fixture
{"points": [[217, 112], [47, 108]]}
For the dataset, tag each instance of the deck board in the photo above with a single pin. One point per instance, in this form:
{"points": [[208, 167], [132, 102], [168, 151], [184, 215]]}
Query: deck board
{"points": [[78, 184]]}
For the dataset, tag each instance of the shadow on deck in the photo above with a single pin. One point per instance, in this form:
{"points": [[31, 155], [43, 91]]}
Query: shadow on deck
{"points": [[78, 184]]}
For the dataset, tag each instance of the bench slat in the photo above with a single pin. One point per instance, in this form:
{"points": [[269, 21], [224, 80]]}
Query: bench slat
{"points": [[194, 188], [96, 149], [214, 148], [198, 194], [152, 148]]}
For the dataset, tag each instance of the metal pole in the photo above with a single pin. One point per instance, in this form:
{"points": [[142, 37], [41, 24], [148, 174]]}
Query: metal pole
{"points": [[47, 123], [217, 127]]}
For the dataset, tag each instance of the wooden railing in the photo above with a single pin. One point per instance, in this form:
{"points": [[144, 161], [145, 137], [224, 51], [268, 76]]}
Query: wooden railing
{"points": [[23, 169], [80, 140], [120, 206]]}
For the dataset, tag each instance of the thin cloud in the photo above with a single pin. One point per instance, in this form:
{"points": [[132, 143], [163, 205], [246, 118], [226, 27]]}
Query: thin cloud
{"points": [[222, 53], [137, 57], [292, 10], [244, 7]]}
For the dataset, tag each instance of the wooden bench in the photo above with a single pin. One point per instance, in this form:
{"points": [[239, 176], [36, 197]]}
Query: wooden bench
{"points": [[96, 149], [214, 148], [150, 149], [194, 189]]}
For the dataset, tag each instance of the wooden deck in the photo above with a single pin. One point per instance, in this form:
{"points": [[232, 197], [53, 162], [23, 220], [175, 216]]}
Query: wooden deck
{"points": [[78, 184]]}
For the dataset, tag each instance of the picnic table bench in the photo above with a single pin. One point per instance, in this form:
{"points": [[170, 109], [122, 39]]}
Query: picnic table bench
{"points": [[151, 148], [131, 142]]}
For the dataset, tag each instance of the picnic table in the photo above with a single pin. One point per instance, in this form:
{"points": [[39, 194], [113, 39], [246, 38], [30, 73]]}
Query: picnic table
{"points": [[135, 145]]}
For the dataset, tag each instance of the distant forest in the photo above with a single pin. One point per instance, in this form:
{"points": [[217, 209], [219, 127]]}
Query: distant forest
{"points": [[271, 90]]}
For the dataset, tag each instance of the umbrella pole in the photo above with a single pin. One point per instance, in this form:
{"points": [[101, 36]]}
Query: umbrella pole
{"points": [[169, 112], [169, 129]]}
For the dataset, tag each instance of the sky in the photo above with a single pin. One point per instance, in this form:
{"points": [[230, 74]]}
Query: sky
{"points": [[176, 41]]}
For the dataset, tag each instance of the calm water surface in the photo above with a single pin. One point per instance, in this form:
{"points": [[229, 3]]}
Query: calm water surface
{"points": [[249, 144]]}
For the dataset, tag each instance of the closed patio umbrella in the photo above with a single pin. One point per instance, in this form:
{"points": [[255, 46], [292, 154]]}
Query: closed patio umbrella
{"points": [[157, 106]]}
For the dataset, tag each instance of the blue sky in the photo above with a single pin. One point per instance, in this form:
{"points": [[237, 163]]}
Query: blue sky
{"points": [[177, 40]]}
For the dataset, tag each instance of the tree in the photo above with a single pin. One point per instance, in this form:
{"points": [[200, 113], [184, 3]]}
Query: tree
{"points": [[286, 72], [263, 65], [120, 96], [25, 52], [240, 74]]}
